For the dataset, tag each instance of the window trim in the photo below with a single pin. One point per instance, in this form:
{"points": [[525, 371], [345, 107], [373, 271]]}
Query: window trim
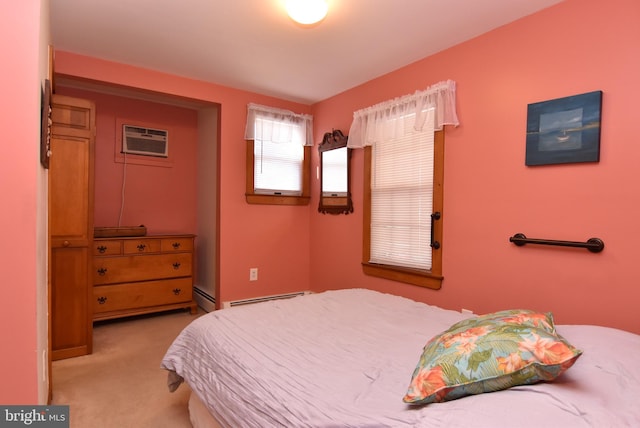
{"points": [[423, 278], [263, 199]]}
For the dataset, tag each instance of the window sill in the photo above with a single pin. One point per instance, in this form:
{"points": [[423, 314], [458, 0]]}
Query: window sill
{"points": [[421, 278], [277, 199]]}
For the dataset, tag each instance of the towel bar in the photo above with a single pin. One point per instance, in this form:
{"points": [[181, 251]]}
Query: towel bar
{"points": [[595, 245]]}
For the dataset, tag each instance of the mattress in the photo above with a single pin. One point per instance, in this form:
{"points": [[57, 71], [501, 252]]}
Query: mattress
{"points": [[345, 358]]}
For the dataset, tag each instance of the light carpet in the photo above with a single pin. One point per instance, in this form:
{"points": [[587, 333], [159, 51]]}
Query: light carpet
{"points": [[121, 383]]}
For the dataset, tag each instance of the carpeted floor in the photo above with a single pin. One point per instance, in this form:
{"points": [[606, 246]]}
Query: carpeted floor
{"points": [[121, 384]]}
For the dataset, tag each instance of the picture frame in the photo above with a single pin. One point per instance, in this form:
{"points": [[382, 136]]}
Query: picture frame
{"points": [[564, 130], [45, 124]]}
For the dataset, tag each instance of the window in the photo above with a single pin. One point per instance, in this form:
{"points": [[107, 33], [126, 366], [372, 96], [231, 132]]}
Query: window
{"points": [[403, 146], [278, 156], [403, 187]]}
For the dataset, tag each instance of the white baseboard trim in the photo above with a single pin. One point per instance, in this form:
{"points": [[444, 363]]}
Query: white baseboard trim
{"points": [[205, 300], [230, 304]]}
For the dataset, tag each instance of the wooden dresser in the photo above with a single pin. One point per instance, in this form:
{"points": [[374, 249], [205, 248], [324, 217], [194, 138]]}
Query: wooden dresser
{"points": [[139, 275]]}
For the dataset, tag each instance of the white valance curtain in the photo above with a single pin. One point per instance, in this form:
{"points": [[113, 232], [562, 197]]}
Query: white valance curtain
{"points": [[278, 126], [389, 119]]}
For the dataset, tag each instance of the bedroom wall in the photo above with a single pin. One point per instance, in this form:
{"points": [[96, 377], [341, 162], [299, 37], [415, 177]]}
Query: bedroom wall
{"points": [[24, 37], [275, 239], [571, 48], [159, 193]]}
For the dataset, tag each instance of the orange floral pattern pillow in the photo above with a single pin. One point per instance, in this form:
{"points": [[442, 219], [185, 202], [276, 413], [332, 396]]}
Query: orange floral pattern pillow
{"points": [[490, 353]]}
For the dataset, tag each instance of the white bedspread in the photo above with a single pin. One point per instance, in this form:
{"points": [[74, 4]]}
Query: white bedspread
{"points": [[345, 358]]}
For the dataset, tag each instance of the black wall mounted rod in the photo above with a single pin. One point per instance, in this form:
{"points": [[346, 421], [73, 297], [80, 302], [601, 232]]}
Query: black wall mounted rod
{"points": [[595, 245], [435, 216]]}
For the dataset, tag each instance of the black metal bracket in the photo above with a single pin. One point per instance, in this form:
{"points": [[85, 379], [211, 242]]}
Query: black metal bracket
{"points": [[595, 245]]}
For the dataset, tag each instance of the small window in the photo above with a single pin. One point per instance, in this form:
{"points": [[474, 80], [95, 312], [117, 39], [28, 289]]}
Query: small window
{"points": [[278, 157], [276, 180]]}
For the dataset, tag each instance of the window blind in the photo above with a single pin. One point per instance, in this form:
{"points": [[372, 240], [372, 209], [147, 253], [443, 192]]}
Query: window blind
{"points": [[277, 168], [280, 155], [402, 197]]}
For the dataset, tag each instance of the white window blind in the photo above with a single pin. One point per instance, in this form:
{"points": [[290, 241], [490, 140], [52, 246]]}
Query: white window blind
{"points": [[402, 195], [277, 168]]}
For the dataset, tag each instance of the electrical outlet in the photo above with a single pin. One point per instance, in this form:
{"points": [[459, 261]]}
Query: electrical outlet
{"points": [[253, 274]]}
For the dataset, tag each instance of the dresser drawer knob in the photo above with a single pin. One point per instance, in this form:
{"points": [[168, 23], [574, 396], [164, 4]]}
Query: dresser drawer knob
{"points": [[176, 291], [141, 247], [176, 265], [175, 245], [102, 300], [102, 249], [102, 271]]}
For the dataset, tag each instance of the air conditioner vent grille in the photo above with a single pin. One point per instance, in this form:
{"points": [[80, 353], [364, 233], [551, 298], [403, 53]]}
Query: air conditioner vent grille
{"points": [[145, 141]]}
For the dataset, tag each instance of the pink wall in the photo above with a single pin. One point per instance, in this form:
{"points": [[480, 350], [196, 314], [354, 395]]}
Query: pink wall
{"points": [[274, 239], [19, 172], [571, 48], [575, 47], [159, 193]]}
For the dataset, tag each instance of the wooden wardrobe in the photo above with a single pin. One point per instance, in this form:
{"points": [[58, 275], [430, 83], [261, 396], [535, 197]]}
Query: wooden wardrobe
{"points": [[71, 167]]}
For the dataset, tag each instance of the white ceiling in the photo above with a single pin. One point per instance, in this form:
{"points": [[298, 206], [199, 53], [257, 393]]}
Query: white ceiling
{"points": [[253, 45]]}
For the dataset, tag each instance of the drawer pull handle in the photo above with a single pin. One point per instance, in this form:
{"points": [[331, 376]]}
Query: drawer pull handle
{"points": [[102, 300], [175, 245], [102, 249], [102, 271], [176, 291], [176, 265], [141, 247]]}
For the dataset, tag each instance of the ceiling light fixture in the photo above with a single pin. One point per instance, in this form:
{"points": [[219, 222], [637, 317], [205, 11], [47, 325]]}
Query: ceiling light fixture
{"points": [[307, 12]]}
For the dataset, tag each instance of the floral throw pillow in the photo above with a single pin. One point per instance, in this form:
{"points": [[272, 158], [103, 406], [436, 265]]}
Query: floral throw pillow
{"points": [[490, 353]]}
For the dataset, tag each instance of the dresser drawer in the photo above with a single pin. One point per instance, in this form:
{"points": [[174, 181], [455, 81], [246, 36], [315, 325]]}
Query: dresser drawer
{"points": [[107, 298], [170, 245], [141, 246], [111, 270], [107, 248]]}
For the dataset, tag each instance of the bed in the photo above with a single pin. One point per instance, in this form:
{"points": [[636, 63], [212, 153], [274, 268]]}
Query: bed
{"points": [[353, 358]]}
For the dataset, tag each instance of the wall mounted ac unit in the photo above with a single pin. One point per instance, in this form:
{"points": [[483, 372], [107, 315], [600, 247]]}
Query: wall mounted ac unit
{"points": [[145, 141]]}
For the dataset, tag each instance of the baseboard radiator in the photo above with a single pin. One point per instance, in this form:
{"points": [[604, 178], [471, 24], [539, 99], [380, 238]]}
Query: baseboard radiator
{"points": [[263, 299], [205, 300]]}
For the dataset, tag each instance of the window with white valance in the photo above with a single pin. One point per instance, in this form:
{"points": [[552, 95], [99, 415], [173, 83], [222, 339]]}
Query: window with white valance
{"points": [[278, 155], [404, 183]]}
